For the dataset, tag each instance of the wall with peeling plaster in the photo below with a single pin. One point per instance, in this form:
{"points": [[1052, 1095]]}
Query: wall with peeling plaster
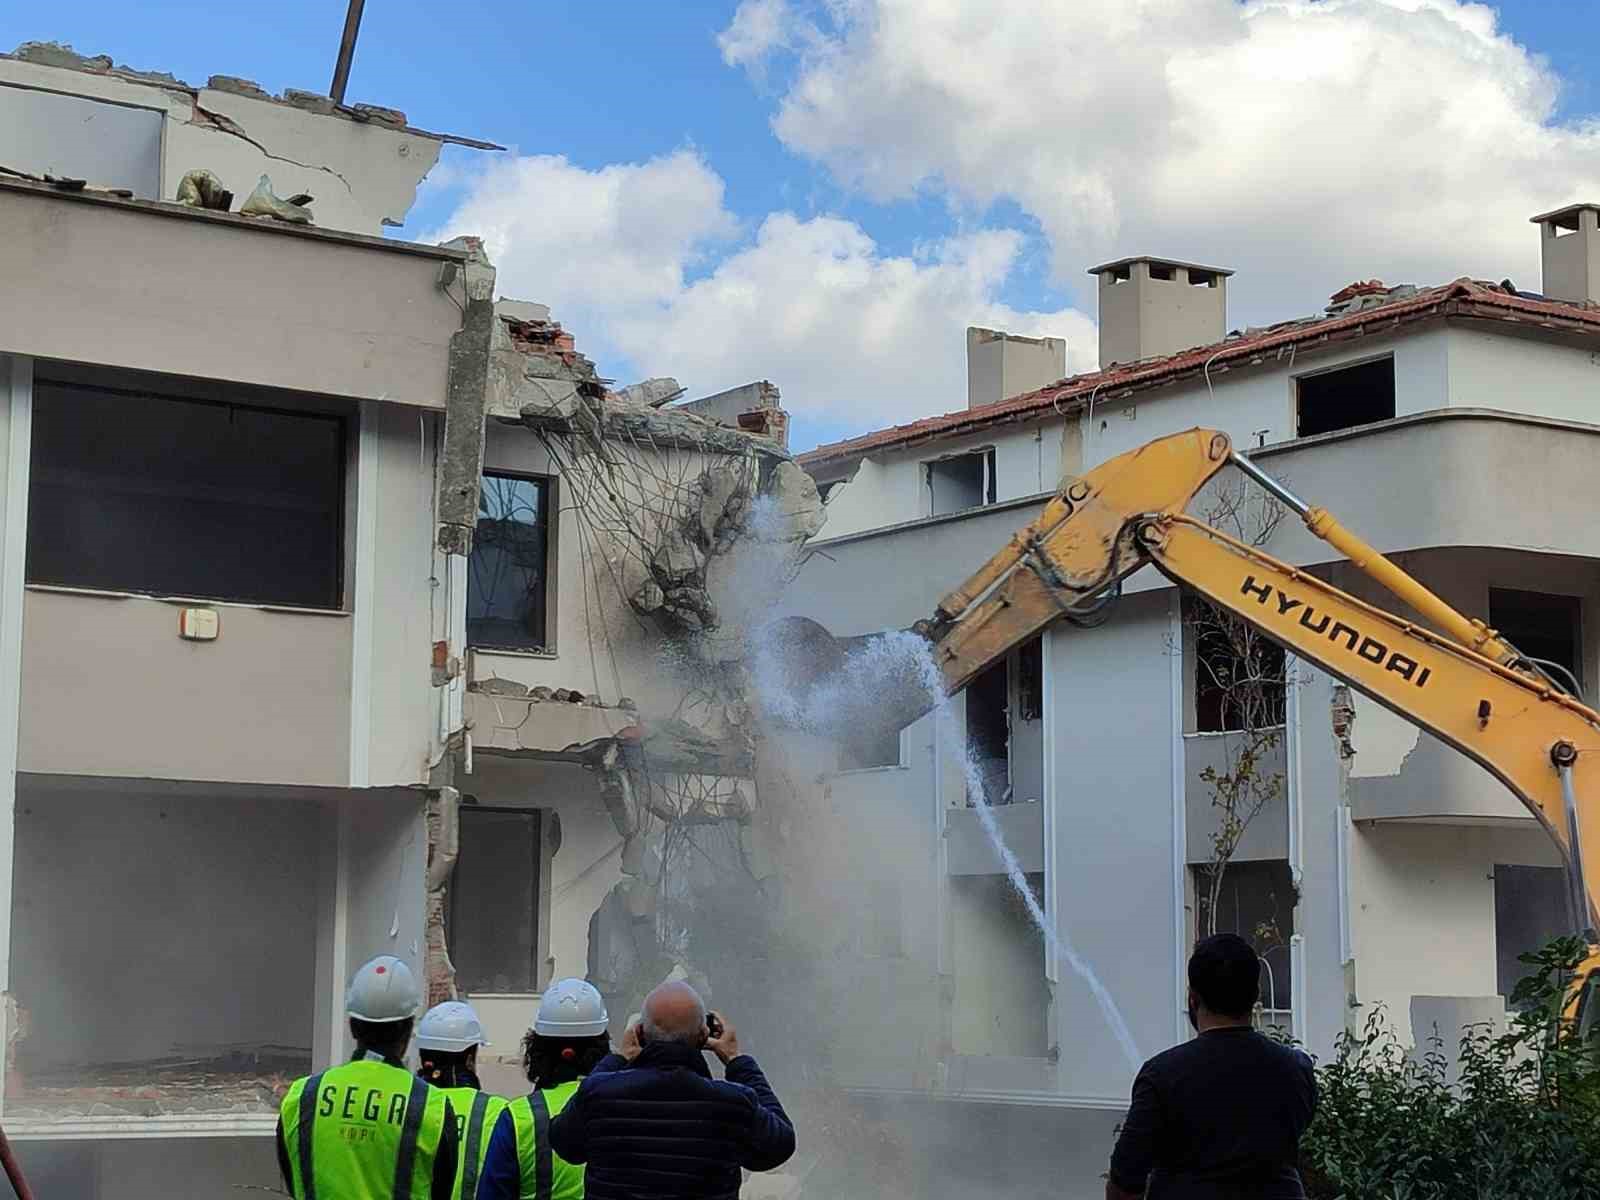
{"points": [[1422, 910], [363, 175]]}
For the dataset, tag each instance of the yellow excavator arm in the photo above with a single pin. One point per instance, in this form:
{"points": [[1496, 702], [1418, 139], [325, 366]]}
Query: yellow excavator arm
{"points": [[1458, 680]]}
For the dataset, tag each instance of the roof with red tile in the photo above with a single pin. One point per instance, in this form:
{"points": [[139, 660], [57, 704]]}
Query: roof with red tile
{"points": [[1377, 311]]}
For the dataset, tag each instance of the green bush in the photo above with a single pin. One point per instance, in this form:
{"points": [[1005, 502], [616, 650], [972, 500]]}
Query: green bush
{"points": [[1523, 1119]]}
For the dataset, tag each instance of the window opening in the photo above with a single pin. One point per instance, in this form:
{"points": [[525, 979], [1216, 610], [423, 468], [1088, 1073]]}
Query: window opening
{"points": [[494, 901], [134, 491], [1542, 626], [1346, 397], [1238, 671], [989, 733], [1257, 902], [1530, 908], [508, 574], [960, 482]]}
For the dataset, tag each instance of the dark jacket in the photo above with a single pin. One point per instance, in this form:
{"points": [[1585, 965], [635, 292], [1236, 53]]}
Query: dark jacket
{"points": [[1217, 1118], [661, 1128]]}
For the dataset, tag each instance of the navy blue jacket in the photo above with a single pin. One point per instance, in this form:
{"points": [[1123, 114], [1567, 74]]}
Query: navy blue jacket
{"points": [[661, 1128]]}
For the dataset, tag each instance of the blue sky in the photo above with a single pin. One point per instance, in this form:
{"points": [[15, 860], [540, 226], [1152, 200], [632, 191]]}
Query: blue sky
{"points": [[633, 83]]}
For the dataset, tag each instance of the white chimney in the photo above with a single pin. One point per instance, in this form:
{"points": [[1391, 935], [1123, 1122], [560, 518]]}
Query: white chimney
{"points": [[1003, 365], [1569, 244], [1150, 307]]}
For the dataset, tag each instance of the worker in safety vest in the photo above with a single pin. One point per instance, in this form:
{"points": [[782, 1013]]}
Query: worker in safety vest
{"points": [[567, 1039], [369, 1129], [448, 1037]]}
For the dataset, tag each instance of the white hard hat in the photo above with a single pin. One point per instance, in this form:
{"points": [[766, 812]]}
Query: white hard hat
{"points": [[571, 1008], [451, 1026], [383, 990]]}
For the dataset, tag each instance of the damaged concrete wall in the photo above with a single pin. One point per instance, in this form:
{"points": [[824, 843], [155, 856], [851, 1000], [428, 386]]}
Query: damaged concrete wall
{"points": [[362, 166], [1422, 910]]}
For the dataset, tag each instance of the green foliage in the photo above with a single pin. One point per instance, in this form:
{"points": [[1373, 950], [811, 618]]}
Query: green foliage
{"points": [[1521, 1119]]}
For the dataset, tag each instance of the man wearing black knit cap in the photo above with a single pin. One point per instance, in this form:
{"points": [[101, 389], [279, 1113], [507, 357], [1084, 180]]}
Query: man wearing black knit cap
{"points": [[1219, 1117]]}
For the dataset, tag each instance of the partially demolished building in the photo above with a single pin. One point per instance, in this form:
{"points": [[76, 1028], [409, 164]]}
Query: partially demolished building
{"points": [[343, 611]]}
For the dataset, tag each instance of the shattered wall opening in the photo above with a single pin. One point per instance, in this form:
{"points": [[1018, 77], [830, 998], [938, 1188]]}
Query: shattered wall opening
{"points": [[175, 980]]}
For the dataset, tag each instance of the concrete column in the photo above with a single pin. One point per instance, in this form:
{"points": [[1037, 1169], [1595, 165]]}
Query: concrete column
{"points": [[16, 393]]}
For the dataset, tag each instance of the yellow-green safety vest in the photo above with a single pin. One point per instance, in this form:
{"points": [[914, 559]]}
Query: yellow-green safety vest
{"points": [[476, 1112], [366, 1130], [545, 1174]]}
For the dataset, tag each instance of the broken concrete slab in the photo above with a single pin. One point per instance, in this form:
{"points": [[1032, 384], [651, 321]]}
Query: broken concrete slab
{"points": [[652, 393], [521, 310], [238, 86]]}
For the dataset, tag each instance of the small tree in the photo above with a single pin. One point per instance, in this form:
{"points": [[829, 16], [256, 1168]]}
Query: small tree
{"points": [[1240, 685]]}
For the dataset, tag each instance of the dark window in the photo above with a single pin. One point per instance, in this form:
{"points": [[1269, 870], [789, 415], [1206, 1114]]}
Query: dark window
{"points": [[989, 733], [1346, 397], [494, 901], [965, 481], [508, 579], [136, 492], [1530, 908], [1541, 626], [1030, 681], [1238, 671], [1256, 901], [1163, 271], [873, 750]]}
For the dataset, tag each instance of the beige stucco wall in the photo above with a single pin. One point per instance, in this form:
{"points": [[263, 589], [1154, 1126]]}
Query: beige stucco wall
{"points": [[110, 689], [222, 297]]}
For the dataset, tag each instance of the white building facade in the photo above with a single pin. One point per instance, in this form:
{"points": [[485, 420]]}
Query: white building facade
{"points": [[1448, 426]]}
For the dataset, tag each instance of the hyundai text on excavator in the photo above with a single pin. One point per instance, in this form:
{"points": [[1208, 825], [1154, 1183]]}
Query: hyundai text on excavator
{"points": [[1458, 679]]}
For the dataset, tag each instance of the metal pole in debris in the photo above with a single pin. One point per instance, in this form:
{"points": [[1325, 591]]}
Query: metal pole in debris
{"points": [[8, 1160], [347, 50]]}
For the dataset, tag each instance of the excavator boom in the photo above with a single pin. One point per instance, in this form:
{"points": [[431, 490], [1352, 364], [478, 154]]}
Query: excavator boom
{"points": [[1463, 684]]}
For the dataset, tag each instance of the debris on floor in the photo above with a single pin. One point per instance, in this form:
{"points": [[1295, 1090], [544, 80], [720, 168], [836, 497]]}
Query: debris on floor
{"points": [[242, 1082], [202, 189], [264, 203]]}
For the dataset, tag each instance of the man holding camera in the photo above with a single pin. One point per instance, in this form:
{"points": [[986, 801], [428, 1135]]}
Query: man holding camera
{"points": [[651, 1120]]}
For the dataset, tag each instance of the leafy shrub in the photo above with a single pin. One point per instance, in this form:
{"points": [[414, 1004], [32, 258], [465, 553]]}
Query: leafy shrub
{"points": [[1521, 1120]]}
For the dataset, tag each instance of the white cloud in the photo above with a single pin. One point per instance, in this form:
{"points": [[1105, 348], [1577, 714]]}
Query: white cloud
{"points": [[850, 335], [1304, 142], [758, 28], [854, 337], [593, 241]]}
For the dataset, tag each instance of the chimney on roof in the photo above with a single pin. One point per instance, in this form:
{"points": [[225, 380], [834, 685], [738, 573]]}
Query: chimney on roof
{"points": [[1569, 243], [1002, 365], [1150, 307]]}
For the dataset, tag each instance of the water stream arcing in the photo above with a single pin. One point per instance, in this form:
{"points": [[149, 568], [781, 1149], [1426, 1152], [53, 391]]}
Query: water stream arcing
{"points": [[901, 656]]}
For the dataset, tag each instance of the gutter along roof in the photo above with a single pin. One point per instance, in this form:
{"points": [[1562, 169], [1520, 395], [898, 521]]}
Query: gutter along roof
{"points": [[1463, 298]]}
